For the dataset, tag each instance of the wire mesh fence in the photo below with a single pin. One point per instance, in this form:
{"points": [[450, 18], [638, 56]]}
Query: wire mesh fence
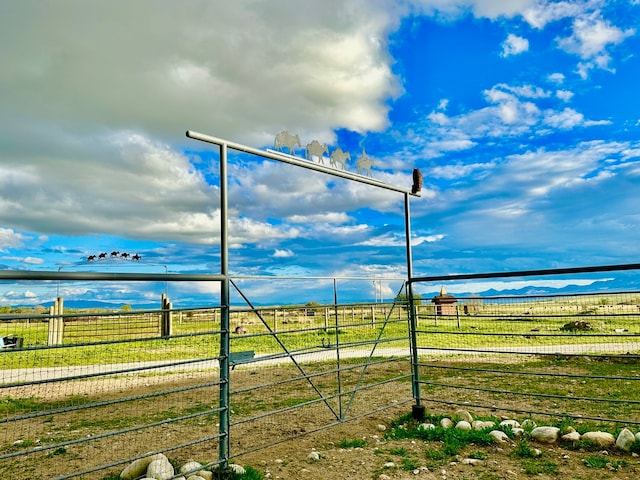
{"points": [[560, 356], [113, 386]]}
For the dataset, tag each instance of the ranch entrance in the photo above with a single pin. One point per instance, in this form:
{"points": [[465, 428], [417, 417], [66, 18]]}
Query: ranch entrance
{"points": [[220, 383]]}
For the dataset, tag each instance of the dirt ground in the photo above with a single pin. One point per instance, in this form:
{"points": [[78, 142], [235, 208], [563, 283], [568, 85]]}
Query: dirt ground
{"points": [[377, 459], [291, 461]]}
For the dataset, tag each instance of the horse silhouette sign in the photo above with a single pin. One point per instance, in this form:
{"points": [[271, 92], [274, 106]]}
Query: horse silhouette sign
{"points": [[316, 151]]}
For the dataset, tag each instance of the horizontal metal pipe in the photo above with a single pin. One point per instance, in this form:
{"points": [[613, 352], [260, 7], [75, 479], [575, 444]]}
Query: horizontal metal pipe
{"points": [[290, 159], [527, 273], [108, 276]]}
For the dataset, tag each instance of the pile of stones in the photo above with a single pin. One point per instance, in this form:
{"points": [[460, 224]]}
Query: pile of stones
{"points": [[544, 434], [158, 467]]}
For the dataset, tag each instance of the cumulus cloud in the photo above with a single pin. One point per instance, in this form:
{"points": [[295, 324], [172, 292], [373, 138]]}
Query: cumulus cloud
{"points": [[315, 67], [556, 77], [512, 110], [514, 45], [492, 9], [591, 38], [564, 95], [9, 238], [94, 112], [547, 11]]}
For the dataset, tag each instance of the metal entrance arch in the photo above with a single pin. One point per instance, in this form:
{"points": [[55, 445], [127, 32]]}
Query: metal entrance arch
{"points": [[225, 366]]}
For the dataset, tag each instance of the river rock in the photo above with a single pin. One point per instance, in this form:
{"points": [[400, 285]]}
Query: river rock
{"points": [[545, 434], [446, 423], [138, 468], [313, 456], [463, 425], [602, 439], [463, 415], [625, 440], [510, 423], [190, 466], [480, 425], [571, 437], [206, 474], [499, 436], [160, 469]]}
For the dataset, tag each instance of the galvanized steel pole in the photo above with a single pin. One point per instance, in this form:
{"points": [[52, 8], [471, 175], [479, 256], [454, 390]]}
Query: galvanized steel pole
{"points": [[225, 411], [418, 409]]}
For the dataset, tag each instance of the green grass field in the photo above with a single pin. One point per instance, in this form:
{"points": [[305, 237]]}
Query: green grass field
{"points": [[132, 337]]}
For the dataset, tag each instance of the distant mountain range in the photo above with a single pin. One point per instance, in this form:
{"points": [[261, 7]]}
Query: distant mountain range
{"points": [[597, 287]]}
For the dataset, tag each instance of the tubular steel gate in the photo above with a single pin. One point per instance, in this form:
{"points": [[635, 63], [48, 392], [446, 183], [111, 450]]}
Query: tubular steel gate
{"points": [[556, 355], [89, 406]]}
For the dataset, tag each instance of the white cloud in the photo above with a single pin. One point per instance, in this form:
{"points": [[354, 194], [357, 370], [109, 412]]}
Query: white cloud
{"points": [[282, 253], [514, 112], [316, 67], [564, 95], [546, 11], [451, 145], [556, 78], [459, 170], [9, 238], [591, 36], [590, 40], [26, 260], [514, 45], [330, 217], [565, 119], [395, 240]]}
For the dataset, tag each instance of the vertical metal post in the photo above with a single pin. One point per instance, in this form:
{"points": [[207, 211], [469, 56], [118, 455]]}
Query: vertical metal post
{"points": [[225, 409], [337, 323], [418, 409]]}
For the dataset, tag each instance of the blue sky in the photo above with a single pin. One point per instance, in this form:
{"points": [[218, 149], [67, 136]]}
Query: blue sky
{"points": [[522, 115]]}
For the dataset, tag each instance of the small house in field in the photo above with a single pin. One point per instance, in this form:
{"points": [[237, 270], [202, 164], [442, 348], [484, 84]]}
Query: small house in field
{"points": [[445, 304]]}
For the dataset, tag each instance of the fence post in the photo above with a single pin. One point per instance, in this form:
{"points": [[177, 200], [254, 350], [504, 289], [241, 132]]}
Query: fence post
{"points": [[166, 317], [337, 325], [60, 320], [56, 322]]}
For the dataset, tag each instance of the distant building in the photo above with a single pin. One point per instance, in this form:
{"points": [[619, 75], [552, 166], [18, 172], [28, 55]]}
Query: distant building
{"points": [[445, 304]]}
